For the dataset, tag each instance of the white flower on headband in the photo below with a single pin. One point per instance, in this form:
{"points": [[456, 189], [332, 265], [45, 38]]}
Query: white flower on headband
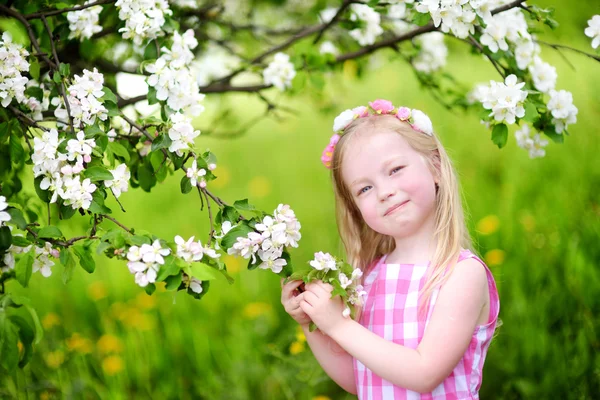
{"points": [[421, 122], [343, 120]]}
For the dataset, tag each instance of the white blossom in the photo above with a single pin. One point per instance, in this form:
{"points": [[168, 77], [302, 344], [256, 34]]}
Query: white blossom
{"points": [[371, 21], [344, 280], [543, 74], [343, 120], [143, 19], [196, 175], [328, 48], [84, 23], [433, 54], [279, 72], [593, 30], [531, 141], [505, 100], [83, 97], [12, 63], [182, 134], [120, 182], [323, 262], [189, 250], [525, 52], [154, 253], [196, 285], [246, 247], [562, 109], [4, 216], [271, 261], [42, 261]]}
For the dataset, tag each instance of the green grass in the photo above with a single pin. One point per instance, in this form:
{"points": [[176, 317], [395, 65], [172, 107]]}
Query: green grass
{"points": [[235, 343]]}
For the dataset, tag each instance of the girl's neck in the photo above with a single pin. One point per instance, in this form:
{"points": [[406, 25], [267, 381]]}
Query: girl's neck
{"points": [[414, 249]]}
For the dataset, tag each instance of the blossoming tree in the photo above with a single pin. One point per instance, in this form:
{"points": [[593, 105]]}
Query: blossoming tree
{"points": [[63, 118]]}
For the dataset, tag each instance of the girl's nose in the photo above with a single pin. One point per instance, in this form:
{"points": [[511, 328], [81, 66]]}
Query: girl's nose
{"points": [[386, 193]]}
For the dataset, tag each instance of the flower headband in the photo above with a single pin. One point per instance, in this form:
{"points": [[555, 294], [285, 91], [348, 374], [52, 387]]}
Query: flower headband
{"points": [[417, 119]]}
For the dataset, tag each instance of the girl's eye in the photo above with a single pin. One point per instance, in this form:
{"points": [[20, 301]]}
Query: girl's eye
{"points": [[395, 170], [363, 190]]}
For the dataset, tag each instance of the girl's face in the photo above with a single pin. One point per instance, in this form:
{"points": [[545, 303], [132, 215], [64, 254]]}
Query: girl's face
{"points": [[390, 183]]}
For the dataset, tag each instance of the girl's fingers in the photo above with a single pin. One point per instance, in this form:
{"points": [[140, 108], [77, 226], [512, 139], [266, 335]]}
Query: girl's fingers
{"points": [[318, 289], [289, 287], [309, 297]]}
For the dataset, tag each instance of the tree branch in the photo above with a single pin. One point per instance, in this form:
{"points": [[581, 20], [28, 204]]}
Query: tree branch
{"points": [[562, 46], [49, 13], [333, 20], [116, 222]]}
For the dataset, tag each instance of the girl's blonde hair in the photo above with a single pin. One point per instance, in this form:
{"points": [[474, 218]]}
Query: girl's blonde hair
{"points": [[364, 245]]}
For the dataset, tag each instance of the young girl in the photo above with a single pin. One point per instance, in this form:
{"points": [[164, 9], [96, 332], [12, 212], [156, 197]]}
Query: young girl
{"points": [[431, 306]]}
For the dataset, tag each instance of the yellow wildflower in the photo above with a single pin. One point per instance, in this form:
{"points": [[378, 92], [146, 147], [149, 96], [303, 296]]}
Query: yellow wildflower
{"points": [[50, 320], [494, 257], [259, 186], [255, 310], [54, 359], [110, 344], [488, 225], [321, 397], [296, 347], [97, 291], [79, 344], [300, 337], [112, 365]]}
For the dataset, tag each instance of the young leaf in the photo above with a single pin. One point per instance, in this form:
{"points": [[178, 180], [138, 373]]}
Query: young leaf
{"points": [[23, 269], [500, 135], [85, 258], [98, 173], [50, 231], [203, 272], [67, 260]]}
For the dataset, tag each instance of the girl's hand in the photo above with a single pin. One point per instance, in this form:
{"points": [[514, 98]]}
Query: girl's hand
{"points": [[291, 298], [320, 307]]}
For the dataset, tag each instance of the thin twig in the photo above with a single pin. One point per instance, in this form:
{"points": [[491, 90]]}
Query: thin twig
{"points": [[26, 119], [62, 243], [115, 221], [496, 65], [333, 20], [61, 85], [210, 217], [49, 13], [562, 46]]}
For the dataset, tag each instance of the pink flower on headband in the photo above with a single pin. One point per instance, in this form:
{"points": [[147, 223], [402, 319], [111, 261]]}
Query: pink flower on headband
{"points": [[403, 113], [328, 152], [360, 112], [381, 106]]}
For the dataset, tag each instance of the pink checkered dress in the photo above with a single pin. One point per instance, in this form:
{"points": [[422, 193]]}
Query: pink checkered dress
{"points": [[391, 312]]}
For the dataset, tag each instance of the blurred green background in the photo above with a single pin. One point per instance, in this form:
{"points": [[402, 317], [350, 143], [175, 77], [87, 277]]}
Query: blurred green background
{"points": [[536, 222]]}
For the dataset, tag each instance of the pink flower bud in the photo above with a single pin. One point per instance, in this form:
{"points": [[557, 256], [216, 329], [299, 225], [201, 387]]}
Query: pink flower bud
{"points": [[327, 155], [403, 113], [381, 106], [55, 253], [202, 184], [361, 111], [212, 166]]}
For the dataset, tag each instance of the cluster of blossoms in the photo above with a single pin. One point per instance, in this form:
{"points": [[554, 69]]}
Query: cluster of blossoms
{"points": [[42, 261], [84, 23], [417, 119], [37, 107], [145, 261], [62, 171], [531, 141], [268, 241], [12, 63], [192, 251], [593, 31], [4, 216], [433, 54], [197, 175], [456, 16], [143, 18], [173, 78], [371, 24], [83, 96], [182, 134], [341, 275], [505, 100], [279, 72], [562, 109]]}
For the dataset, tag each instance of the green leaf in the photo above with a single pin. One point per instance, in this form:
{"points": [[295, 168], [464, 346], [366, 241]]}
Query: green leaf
{"points": [[26, 335], [85, 258], [119, 150], [550, 131], [17, 154], [34, 91], [109, 95], [5, 238], [230, 214], [152, 95], [173, 282], [97, 208], [531, 112], [145, 175], [9, 339], [16, 217], [23, 269], [34, 68], [150, 288], [50, 231], [68, 261], [138, 240], [65, 69], [162, 141], [169, 268], [113, 109], [98, 173], [185, 184], [421, 19], [204, 272], [44, 195], [92, 131], [4, 131], [242, 230], [500, 135], [20, 241], [66, 212]]}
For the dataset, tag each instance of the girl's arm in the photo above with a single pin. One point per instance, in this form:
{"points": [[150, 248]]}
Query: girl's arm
{"points": [[336, 362], [455, 316]]}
